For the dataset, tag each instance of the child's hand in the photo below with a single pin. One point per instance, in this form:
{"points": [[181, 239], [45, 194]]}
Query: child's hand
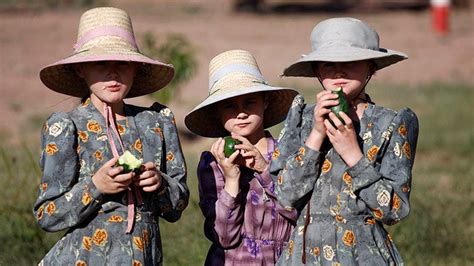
{"points": [[109, 180], [251, 156], [324, 100], [229, 167], [149, 178], [343, 138]]}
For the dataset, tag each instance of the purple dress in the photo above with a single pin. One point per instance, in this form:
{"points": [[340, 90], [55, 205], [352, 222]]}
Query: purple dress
{"points": [[250, 229]]}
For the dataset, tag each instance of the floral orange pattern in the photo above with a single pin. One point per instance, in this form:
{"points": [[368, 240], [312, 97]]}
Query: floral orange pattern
{"points": [[372, 152], [276, 153], [158, 131], [83, 136], [316, 251], [139, 243], [44, 186], [407, 150], [94, 126], [98, 156], [348, 238], [280, 180], [326, 166], [170, 156], [378, 213], [50, 208], [87, 243], [39, 213], [120, 129], [138, 145], [115, 219], [51, 148], [86, 198], [347, 178], [396, 202], [402, 130], [81, 263], [100, 237], [291, 245]]}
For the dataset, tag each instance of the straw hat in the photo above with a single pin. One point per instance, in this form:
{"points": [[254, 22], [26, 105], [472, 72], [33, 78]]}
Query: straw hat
{"points": [[106, 34], [234, 73], [343, 40]]}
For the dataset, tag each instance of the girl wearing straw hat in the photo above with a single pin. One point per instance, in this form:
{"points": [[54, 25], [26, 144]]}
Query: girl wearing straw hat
{"points": [[243, 219], [111, 215], [347, 176]]}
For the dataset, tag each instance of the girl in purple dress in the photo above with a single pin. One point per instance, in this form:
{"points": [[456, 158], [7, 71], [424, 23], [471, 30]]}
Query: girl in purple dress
{"points": [[243, 219]]}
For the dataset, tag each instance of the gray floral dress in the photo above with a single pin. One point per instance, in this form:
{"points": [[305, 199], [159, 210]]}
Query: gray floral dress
{"points": [[74, 147], [343, 209]]}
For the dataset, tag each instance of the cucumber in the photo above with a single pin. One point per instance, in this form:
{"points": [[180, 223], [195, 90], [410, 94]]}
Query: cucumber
{"points": [[343, 105], [229, 144], [129, 162]]}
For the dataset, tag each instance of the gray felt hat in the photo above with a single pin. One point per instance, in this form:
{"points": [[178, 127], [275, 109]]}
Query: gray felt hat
{"points": [[343, 40]]}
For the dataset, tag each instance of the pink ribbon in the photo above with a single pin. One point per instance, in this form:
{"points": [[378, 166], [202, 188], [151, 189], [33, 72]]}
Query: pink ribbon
{"points": [[105, 31], [110, 120]]}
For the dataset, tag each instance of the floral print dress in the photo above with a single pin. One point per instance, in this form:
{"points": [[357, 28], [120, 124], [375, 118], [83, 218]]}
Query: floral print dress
{"points": [[343, 209], [249, 229], [74, 147]]}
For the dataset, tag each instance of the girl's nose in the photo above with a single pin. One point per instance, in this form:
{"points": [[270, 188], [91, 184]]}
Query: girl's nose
{"points": [[241, 114], [113, 71], [340, 73]]}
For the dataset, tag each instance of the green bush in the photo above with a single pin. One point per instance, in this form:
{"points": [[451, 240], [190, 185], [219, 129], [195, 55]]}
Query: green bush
{"points": [[176, 50]]}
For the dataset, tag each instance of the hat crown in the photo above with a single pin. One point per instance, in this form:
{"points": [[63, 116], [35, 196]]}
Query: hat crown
{"points": [[104, 29], [232, 70], [344, 32]]}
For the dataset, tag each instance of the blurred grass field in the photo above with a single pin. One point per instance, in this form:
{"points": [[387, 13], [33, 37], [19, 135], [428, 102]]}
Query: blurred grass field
{"points": [[438, 231]]}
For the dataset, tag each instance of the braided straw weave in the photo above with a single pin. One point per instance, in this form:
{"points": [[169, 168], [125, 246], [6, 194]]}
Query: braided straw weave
{"points": [[106, 34], [235, 73]]}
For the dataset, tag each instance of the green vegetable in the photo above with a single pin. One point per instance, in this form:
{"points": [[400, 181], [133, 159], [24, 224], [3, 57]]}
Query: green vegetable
{"points": [[343, 105], [129, 162], [229, 144]]}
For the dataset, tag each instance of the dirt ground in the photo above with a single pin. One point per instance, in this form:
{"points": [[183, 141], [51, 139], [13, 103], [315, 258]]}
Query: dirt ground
{"points": [[30, 40]]}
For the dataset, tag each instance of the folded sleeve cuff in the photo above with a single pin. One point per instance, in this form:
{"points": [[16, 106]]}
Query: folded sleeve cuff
{"points": [[363, 174]]}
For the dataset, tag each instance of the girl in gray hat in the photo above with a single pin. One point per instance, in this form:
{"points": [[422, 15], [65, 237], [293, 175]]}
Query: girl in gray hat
{"points": [[244, 221], [347, 176]]}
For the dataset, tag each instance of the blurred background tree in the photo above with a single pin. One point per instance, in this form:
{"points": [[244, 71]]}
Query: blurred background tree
{"points": [[179, 52]]}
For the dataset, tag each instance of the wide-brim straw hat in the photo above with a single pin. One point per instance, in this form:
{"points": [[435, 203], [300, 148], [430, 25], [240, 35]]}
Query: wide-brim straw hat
{"points": [[231, 74], [343, 40], [106, 34]]}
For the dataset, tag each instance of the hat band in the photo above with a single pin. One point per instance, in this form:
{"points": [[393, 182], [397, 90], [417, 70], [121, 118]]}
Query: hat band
{"points": [[105, 31], [234, 68]]}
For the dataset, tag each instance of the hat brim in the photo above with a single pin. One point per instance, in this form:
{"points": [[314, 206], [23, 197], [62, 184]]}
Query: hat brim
{"points": [[382, 58], [151, 76], [203, 121]]}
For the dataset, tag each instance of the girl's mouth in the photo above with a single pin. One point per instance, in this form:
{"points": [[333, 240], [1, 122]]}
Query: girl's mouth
{"points": [[113, 88], [242, 125]]}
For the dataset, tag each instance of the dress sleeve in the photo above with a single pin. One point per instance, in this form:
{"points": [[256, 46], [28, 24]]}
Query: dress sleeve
{"points": [[173, 195], [223, 213], [208, 189], [63, 201], [385, 185], [295, 167]]}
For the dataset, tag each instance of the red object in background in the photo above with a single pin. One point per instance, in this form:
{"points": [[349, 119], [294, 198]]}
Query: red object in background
{"points": [[440, 15]]}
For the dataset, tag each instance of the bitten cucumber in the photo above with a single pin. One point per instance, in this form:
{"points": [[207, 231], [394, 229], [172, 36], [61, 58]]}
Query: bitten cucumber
{"points": [[129, 162]]}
